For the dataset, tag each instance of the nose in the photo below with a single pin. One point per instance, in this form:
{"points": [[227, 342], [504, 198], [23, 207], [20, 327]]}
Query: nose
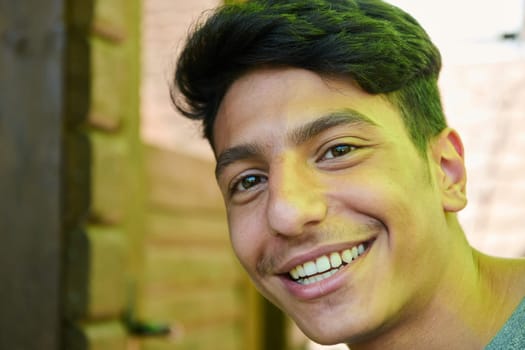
{"points": [[296, 199]]}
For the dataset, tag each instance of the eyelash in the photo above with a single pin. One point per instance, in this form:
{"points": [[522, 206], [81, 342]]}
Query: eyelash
{"points": [[350, 148], [262, 179]]}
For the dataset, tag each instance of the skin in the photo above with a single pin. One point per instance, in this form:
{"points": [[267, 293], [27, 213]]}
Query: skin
{"points": [[296, 188]]}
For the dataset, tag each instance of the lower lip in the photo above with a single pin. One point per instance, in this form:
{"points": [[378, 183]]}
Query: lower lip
{"points": [[326, 286]]}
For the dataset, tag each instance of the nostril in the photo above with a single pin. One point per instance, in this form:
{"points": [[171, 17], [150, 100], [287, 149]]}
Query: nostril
{"points": [[294, 199], [287, 217]]}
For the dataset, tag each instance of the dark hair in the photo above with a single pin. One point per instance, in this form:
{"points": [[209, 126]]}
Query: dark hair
{"points": [[376, 44]]}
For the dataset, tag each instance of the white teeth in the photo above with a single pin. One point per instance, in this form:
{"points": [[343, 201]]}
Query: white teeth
{"points": [[313, 279], [326, 274], [324, 266], [335, 260], [310, 268], [354, 252], [347, 256]]}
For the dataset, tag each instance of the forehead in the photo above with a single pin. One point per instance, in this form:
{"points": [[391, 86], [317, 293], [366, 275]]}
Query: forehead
{"points": [[263, 104]]}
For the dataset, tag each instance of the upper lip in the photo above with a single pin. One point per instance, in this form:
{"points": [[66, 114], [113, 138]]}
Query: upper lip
{"points": [[314, 254]]}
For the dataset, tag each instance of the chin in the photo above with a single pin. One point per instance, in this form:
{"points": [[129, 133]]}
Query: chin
{"points": [[354, 331], [327, 339], [326, 335]]}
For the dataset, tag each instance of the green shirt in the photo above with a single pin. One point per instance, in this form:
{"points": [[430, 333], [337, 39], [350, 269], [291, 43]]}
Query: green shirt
{"points": [[512, 335]]}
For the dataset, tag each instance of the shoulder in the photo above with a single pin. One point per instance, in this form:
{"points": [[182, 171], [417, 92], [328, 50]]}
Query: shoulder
{"points": [[508, 285], [512, 335]]}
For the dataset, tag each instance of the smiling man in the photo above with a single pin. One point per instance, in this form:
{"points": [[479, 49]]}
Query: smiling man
{"points": [[341, 178]]}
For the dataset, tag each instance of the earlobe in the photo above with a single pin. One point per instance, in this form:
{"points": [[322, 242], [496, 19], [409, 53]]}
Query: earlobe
{"points": [[447, 151]]}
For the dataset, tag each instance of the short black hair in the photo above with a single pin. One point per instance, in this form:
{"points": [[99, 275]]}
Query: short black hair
{"points": [[377, 45]]}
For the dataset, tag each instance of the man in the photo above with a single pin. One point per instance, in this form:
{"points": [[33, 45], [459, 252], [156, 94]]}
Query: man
{"points": [[341, 178]]}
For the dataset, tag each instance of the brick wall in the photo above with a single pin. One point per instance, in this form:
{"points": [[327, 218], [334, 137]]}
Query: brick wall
{"points": [[485, 102], [165, 24]]}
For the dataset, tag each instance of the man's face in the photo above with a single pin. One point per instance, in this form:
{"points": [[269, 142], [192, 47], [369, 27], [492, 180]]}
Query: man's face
{"points": [[332, 211]]}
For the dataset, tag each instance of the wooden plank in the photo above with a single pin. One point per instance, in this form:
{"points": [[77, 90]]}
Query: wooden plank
{"points": [[187, 248], [194, 308], [112, 14], [109, 32], [76, 179], [101, 335], [108, 84], [181, 182], [253, 320], [221, 337], [95, 274], [109, 178], [173, 228], [189, 265], [31, 99]]}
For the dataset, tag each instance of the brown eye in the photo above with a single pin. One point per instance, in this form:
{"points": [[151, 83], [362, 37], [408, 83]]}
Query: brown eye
{"points": [[338, 151], [248, 182]]}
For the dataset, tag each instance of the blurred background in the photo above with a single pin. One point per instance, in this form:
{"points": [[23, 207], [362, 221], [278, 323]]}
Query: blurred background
{"points": [[113, 228]]}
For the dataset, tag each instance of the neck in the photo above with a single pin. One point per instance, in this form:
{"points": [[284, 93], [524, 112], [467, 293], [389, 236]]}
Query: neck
{"points": [[473, 299]]}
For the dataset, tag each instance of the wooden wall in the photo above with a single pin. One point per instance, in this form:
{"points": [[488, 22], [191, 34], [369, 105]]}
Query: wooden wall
{"points": [[31, 96], [102, 177], [104, 237], [191, 279]]}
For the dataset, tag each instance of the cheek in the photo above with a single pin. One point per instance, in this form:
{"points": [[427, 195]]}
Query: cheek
{"points": [[402, 199], [369, 194], [408, 206], [245, 239]]}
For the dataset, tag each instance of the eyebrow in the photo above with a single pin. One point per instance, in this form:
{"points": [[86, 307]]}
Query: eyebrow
{"points": [[234, 154], [297, 136], [348, 117]]}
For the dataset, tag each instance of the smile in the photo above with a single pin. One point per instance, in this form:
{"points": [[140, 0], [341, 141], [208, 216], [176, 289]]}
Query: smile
{"points": [[326, 265]]}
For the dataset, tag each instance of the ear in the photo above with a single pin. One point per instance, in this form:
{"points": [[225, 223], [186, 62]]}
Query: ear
{"points": [[451, 176]]}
